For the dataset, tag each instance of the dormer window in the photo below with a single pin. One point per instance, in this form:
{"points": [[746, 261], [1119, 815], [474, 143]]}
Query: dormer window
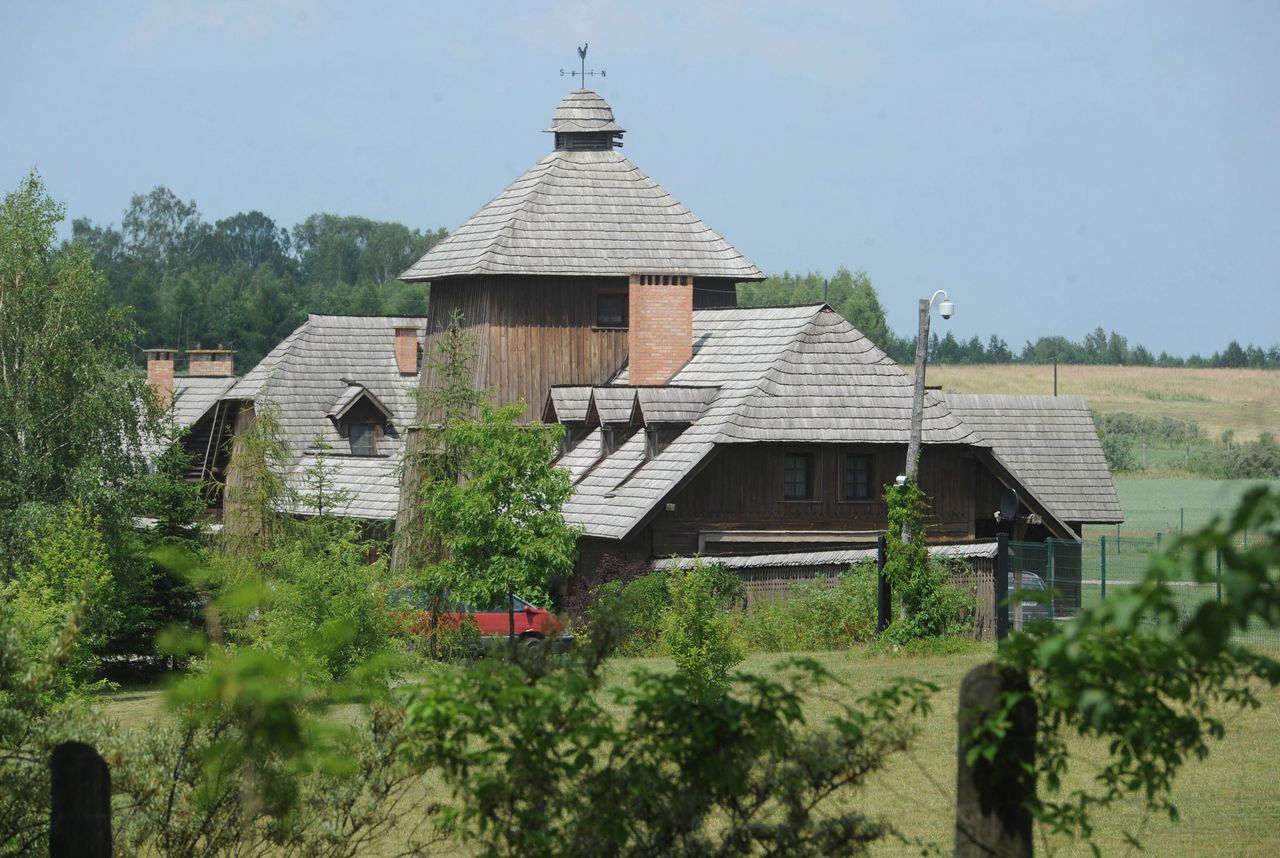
{"points": [[361, 419]]}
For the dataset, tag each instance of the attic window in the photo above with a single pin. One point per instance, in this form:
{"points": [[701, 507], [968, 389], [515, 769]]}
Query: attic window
{"points": [[611, 309], [363, 438]]}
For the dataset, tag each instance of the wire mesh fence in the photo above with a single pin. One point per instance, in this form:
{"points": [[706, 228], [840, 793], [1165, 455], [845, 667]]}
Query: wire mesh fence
{"points": [[1076, 575]]}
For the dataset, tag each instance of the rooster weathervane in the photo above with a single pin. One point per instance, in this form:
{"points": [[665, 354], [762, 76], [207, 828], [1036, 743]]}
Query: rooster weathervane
{"points": [[582, 72]]}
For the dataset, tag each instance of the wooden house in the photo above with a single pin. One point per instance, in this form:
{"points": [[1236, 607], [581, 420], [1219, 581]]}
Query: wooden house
{"points": [[695, 426], [778, 434]]}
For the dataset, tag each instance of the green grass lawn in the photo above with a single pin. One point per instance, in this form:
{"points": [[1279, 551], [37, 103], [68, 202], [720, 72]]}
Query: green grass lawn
{"points": [[1162, 505], [1228, 801]]}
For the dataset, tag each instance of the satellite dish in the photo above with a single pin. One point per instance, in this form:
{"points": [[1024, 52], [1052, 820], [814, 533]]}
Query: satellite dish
{"points": [[1008, 504]]}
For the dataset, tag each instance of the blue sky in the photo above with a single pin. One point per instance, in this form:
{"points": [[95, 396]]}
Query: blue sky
{"points": [[1056, 165]]}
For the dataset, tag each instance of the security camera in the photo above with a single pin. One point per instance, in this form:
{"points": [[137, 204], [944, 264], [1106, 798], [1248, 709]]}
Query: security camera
{"points": [[946, 309]]}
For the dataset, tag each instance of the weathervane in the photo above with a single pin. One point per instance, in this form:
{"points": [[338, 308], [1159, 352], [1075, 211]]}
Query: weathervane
{"points": [[582, 73]]}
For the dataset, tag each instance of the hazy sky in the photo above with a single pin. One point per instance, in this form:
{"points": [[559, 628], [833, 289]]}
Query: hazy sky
{"points": [[1055, 165]]}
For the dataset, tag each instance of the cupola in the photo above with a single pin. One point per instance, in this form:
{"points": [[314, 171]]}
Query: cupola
{"points": [[584, 121]]}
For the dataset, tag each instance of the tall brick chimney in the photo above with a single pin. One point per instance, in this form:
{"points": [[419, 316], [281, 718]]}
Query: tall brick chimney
{"points": [[160, 375], [211, 362], [407, 350], [660, 337]]}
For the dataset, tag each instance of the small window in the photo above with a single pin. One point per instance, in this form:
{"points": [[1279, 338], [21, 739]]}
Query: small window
{"points": [[611, 310], [797, 476], [857, 478], [362, 439]]}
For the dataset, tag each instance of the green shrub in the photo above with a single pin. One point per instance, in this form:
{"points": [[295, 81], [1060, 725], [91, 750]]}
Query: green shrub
{"points": [[695, 628], [813, 617], [320, 604], [68, 575]]}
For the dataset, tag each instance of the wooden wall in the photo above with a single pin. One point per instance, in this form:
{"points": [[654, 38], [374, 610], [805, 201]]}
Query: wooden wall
{"points": [[534, 332], [742, 489]]}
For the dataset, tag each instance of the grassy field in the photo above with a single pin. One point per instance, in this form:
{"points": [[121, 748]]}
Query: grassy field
{"points": [[1165, 505], [1246, 401], [1228, 801]]}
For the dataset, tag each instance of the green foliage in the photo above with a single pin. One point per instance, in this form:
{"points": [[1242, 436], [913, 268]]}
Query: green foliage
{"points": [[243, 281], [696, 631], [321, 602], [1135, 673], [1118, 450], [40, 707], [540, 765], [70, 424], [252, 503], [489, 520], [851, 294], [929, 605], [67, 580], [813, 617]]}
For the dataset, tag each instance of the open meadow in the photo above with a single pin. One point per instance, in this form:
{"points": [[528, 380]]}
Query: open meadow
{"points": [[1246, 401], [1228, 801]]}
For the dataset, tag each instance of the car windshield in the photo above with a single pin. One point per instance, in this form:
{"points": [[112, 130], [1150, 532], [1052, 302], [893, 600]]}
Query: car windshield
{"points": [[1030, 581]]}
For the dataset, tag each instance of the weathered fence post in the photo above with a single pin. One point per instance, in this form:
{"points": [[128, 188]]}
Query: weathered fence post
{"points": [[1102, 549], [1218, 572], [1053, 595], [992, 816], [80, 816], [1002, 586], [884, 596]]}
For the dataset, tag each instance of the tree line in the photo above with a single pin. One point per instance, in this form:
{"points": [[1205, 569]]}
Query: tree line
{"points": [[854, 296], [244, 281]]}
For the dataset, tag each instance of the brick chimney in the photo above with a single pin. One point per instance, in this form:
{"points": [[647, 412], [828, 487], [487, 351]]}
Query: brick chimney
{"points": [[660, 338], [211, 362], [407, 350], [160, 375]]}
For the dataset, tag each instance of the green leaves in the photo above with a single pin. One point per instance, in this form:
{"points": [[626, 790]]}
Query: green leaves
{"points": [[1131, 672]]}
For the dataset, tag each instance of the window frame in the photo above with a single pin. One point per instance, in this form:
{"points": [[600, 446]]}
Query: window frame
{"points": [[373, 438], [844, 477], [596, 323], [808, 457]]}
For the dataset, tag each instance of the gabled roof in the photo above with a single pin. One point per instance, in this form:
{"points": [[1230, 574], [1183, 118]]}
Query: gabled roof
{"points": [[672, 403], [1052, 445], [783, 374], [567, 403], [611, 405], [353, 394], [322, 369]]}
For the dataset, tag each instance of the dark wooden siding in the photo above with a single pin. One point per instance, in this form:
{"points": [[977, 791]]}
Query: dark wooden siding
{"points": [[742, 489], [531, 333]]}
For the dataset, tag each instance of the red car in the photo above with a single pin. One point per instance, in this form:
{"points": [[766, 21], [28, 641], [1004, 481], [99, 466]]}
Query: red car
{"points": [[413, 611]]}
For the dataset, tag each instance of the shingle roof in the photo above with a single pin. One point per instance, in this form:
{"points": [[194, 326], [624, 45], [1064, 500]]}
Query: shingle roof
{"points": [[194, 395], [673, 404], [784, 374], [584, 213], [326, 363], [1050, 442], [583, 111], [569, 403]]}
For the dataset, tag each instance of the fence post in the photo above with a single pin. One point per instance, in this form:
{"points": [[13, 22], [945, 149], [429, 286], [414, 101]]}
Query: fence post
{"points": [[80, 814], [1102, 548], [992, 794], [1182, 519], [1048, 562], [1218, 572], [1002, 587], [1159, 539], [884, 596]]}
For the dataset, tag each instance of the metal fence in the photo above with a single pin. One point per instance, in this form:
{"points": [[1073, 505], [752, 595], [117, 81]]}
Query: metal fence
{"points": [[1080, 574]]}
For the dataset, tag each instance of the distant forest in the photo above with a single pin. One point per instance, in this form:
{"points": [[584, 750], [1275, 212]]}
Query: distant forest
{"points": [[245, 282]]}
